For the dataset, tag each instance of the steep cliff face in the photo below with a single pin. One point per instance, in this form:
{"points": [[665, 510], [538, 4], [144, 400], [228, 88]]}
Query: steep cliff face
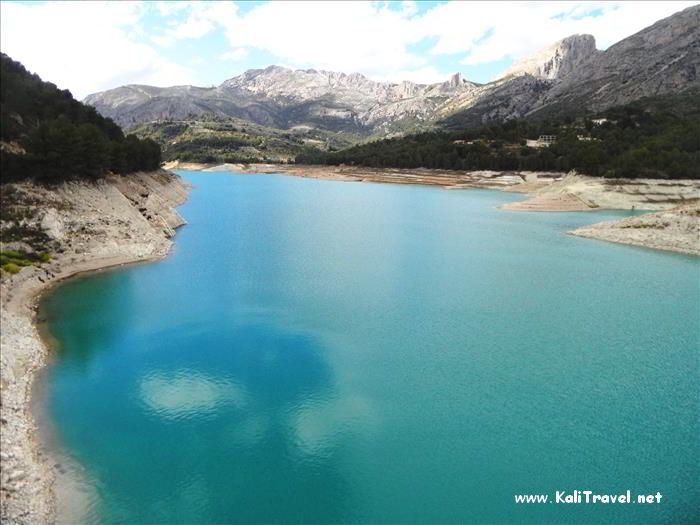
{"points": [[571, 76], [508, 98], [556, 61], [663, 58]]}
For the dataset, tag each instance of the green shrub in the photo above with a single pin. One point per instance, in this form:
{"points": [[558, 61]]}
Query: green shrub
{"points": [[21, 259], [11, 268], [12, 254]]}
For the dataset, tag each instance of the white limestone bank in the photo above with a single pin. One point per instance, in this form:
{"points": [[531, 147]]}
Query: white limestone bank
{"points": [[674, 227], [676, 230], [90, 225]]}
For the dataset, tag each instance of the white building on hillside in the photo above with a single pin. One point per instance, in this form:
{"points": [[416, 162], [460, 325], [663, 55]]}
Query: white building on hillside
{"points": [[544, 141]]}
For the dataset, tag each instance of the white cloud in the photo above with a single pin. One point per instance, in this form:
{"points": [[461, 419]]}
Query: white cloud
{"points": [[85, 46], [169, 8], [343, 36], [235, 55], [202, 19], [529, 27], [90, 46], [374, 39], [421, 75]]}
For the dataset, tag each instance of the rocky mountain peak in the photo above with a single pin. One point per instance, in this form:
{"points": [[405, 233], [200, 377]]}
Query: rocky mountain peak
{"points": [[354, 89], [662, 58], [277, 69], [566, 76], [557, 60], [408, 89]]}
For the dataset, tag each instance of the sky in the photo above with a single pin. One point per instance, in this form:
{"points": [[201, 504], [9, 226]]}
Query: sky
{"points": [[91, 46]]}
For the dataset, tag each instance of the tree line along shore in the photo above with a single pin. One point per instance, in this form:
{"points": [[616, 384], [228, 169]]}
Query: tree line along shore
{"points": [[656, 137]]}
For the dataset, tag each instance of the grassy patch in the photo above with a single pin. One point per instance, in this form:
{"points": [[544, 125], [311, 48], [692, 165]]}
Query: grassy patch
{"points": [[12, 261], [10, 268]]}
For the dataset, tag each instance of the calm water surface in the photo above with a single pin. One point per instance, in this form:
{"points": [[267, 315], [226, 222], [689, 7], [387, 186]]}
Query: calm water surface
{"points": [[328, 352]]}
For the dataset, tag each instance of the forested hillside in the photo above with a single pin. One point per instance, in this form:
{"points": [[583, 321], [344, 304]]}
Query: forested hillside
{"points": [[48, 135], [654, 137], [212, 139]]}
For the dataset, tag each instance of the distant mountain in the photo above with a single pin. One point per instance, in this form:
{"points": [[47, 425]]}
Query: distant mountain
{"points": [[283, 98], [570, 76]]}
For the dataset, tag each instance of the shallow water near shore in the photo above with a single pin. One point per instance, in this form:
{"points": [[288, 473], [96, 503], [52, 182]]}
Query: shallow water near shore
{"points": [[329, 352]]}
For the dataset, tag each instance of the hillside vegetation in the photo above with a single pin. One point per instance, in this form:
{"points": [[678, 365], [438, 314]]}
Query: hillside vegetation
{"points": [[209, 138], [653, 137], [48, 135]]}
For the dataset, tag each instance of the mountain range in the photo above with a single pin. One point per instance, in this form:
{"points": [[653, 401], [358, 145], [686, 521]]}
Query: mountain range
{"points": [[569, 76], [286, 99]]}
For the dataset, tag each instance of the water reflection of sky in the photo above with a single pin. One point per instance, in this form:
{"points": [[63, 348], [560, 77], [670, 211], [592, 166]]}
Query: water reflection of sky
{"points": [[329, 352], [188, 393]]}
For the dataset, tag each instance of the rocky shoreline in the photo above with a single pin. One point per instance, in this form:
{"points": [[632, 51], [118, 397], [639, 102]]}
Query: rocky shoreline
{"points": [[676, 230], [91, 225]]}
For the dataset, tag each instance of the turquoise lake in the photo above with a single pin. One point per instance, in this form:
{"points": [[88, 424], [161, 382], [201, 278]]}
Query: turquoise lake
{"points": [[330, 352]]}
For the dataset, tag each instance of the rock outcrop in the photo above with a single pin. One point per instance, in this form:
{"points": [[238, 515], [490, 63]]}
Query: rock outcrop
{"points": [[558, 60], [571, 76], [663, 58]]}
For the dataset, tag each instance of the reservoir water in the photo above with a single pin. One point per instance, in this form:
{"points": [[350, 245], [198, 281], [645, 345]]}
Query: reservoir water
{"points": [[330, 352]]}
